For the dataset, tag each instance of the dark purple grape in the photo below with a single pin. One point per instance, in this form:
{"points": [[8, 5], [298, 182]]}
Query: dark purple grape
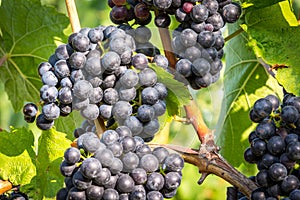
{"points": [[289, 114], [277, 172], [263, 107], [231, 12]]}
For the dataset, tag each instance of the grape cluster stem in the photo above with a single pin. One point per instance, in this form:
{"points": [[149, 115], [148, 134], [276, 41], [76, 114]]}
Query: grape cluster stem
{"points": [[72, 12]]}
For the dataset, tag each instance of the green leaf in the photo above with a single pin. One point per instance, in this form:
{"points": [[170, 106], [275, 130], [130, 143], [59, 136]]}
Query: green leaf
{"points": [[178, 92], [48, 180], [274, 36], [68, 124], [245, 81], [29, 32], [259, 3], [17, 156]]}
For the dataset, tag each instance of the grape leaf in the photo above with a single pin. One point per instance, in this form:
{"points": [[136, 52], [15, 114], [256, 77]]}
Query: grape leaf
{"points": [[258, 3], [17, 156], [245, 81], [29, 32], [48, 179], [178, 90], [274, 35], [68, 124]]}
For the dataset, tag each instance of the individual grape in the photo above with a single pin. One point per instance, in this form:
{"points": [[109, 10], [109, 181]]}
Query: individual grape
{"points": [[127, 94], [274, 101], [125, 184], [139, 175], [181, 15], [192, 53], [95, 35], [112, 182], [289, 114], [268, 159], [77, 75], [123, 131], [160, 153], [116, 166], [81, 43], [30, 110], [96, 95], [72, 155], [79, 104], [105, 156], [162, 4], [154, 195], [89, 142], [173, 162], [66, 82], [188, 37], [184, 67], [119, 45], [138, 192], [155, 181], [110, 96], [295, 195], [122, 110], [149, 163], [43, 123], [168, 193], [212, 5], [187, 7], [145, 113], [199, 13], [81, 182], [258, 147], [258, 194], [135, 126], [128, 144], [265, 129], [289, 183], [219, 42], [62, 194], [150, 128], [63, 51], [116, 148], [76, 194], [67, 169], [130, 161], [286, 161], [90, 112], [159, 108], [263, 107], [277, 172], [142, 34], [93, 66], [65, 95], [129, 79], [142, 150], [162, 20], [124, 196], [203, 81], [139, 61], [263, 179], [110, 194], [147, 77], [161, 61], [126, 56], [293, 151], [150, 95], [141, 11], [105, 111], [103, 177], [82, 89], [90, 168], [231, 12], [77, 60], [292, 137], [111, 61], [61, 69], [49, 78], [216, 20], [276, 145], [94, 192], [50, 111], [206, 39], [109, 137], [200, 67], [44, 67]]}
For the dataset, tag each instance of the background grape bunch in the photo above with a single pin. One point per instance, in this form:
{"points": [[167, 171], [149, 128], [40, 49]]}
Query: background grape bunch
{"points": [[274, 147]]}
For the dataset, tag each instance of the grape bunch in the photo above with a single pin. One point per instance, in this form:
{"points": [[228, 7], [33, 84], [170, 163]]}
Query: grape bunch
{"points": [[198, 40], [15, 195], [103, 72], [275, 147], [118, 166]]}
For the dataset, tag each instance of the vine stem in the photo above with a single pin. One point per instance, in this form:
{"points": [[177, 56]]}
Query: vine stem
{"points": [[237, 32], [75, 24], [73, 15], [3, 59]]}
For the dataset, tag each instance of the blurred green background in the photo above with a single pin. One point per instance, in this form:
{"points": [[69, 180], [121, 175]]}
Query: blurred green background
{"points": [[95, 12]]}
